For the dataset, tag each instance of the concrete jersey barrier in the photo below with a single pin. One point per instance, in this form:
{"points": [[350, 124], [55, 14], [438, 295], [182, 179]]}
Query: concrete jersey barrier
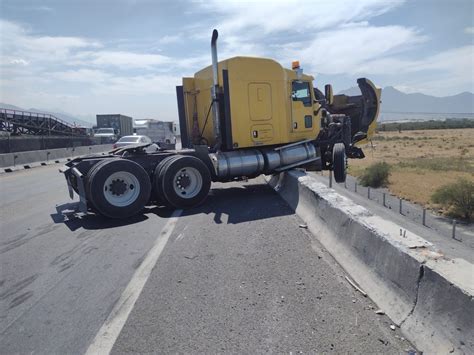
{"points": [[427, 295], [12, 160]]}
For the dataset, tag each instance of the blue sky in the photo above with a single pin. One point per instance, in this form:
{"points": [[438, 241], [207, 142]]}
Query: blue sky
{"points": [[87, 57]]}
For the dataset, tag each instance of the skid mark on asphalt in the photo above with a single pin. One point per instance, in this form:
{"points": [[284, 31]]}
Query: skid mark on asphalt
{"points": [[110, 330], [69, 258], [64, 266], [18, 287], [24, 238], [20, 299], [15, 239]]}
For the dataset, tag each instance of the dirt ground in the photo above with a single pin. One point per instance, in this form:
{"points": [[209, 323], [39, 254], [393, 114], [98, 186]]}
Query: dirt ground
{"points": [[421, 161]]}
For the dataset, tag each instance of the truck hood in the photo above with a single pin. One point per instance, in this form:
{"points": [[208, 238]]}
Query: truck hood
{"points": [[362, 109]]}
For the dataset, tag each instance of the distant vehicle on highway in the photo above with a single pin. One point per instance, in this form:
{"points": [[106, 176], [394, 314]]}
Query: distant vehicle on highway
{"points": [[122, 125], [130, 140], [159, 131], [107, 134]]}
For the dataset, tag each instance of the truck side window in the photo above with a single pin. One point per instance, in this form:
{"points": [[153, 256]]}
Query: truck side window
{"points": [[300, 91]]}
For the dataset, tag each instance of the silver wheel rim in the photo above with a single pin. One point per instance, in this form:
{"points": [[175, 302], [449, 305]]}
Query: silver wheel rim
{"points": [[187, 182], [121, 189]]}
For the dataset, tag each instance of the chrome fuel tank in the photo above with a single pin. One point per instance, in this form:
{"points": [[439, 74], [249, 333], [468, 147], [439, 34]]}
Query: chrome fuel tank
{"points": [[247, 162], [252, 162]]}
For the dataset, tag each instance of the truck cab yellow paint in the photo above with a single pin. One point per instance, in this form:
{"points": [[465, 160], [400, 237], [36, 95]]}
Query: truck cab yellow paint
{"points": [[264, 109]]}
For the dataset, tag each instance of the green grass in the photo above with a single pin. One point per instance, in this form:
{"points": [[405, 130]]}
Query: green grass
{"points": [[440, 164], [457, 199], [432, 124], [376, 175]]}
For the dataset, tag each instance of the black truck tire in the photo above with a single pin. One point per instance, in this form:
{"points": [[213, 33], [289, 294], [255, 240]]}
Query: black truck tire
{"points": [[118, 188], [158, 194], [339, 162], [90, 204], [186, 181]]}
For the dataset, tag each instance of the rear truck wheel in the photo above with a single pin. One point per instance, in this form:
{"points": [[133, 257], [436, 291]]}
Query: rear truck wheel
{"points": [[339, 162], [186, 181], [119, 188], [88, 179], [158, 180]]}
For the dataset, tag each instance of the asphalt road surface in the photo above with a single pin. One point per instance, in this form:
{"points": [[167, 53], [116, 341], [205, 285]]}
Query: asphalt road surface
{"points": [[236, 274]]}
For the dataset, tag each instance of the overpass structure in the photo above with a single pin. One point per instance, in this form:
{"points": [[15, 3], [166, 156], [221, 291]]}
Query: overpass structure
{"points": [[39, 124]]}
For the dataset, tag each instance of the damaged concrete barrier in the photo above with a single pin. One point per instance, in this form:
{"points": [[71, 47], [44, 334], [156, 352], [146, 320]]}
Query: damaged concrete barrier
{"points": [[424, 293]]}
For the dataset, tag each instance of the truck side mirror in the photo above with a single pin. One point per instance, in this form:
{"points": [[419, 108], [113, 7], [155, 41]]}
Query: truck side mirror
{"points": [[328, 94]]}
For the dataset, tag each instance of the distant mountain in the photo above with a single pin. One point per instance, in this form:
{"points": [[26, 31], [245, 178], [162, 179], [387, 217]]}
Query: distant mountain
{"points": [[61, 115], [10, 107], [394, 100]]}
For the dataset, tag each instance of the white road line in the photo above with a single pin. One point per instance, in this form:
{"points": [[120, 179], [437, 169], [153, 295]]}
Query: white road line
{"points": [[110, 330]]}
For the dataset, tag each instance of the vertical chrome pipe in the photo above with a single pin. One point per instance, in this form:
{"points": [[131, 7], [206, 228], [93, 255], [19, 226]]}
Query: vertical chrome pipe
{"points": [[215, 90]]}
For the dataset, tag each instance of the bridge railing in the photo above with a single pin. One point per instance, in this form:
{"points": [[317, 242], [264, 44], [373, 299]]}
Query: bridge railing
{"points": [[36, 114], [36, 123]]}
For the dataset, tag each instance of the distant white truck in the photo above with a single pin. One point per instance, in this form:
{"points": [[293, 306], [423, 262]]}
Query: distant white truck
{"points": [[106, 134], [159, 131]]}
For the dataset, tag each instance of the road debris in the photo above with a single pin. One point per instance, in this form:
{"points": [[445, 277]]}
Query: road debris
{"points": [[355, 286], [304, 226], [191, 257], [379, 311], [392, 327]]}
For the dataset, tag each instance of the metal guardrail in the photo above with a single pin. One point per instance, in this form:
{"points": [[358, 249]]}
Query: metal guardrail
{"points": [[419, 213]]}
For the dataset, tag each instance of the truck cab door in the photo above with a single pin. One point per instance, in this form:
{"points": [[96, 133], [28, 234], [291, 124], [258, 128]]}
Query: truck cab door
{"points": [[301, 106]]}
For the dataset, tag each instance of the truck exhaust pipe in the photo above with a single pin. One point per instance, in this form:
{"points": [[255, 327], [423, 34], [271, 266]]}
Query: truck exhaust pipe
{"points": [[215, 91]]}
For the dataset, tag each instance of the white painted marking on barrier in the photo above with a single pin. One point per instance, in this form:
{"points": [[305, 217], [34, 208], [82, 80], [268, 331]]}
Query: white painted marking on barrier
{"points": [[110, 330]]}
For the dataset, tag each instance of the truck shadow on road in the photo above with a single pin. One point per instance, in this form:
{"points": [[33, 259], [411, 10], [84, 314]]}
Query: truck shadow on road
{"points": [[68, 215], [244, 203]]}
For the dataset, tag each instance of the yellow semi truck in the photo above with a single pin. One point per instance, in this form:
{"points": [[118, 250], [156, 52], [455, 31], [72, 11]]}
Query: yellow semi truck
{"points": [[239, 118]]}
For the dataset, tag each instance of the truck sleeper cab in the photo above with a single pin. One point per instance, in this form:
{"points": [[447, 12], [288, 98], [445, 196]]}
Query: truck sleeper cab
{"points": [[239, 118]]}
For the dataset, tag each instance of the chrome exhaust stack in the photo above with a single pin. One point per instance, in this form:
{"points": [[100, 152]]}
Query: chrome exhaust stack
{"points": [[215, 91]]}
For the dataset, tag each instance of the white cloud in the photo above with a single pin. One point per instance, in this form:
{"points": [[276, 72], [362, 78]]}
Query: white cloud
{"points": [[169, 39], [39, 8], [103, 83], [88, 76], [18, 61], [16, 41], [469, 30], [346, 50], [285, 15], [450, 71], [139, 85], [121, 59]]}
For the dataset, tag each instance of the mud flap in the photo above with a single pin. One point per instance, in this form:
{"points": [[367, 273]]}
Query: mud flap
{"points": [[81, 189], [79, 177]]}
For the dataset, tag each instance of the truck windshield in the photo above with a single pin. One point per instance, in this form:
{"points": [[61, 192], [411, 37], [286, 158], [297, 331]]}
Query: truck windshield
{"points": [[105, 130]]}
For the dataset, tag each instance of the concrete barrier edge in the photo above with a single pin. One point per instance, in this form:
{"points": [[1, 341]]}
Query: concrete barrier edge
{"points": [[428, 296], [25, 160]]}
